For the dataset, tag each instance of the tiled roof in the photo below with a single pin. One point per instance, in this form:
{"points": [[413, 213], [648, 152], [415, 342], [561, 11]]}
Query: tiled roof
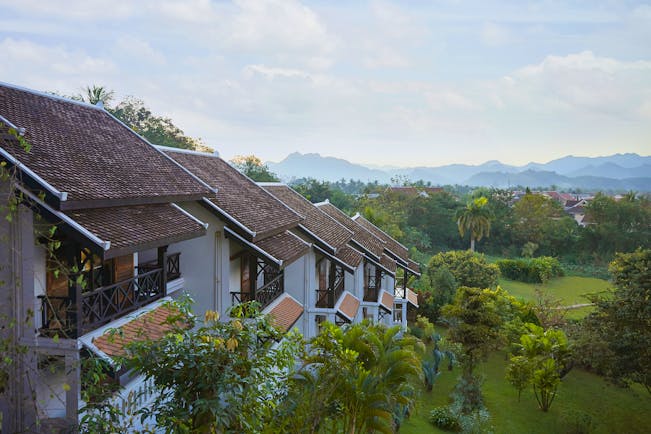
{"points": [[83, 151], [284, 246], [349, 305], [413, 266], [388, 263], [386, 301], [316, 221], [152, 325], [412, 297], [391, 244], [349, 256], [360, 235], [238, 195], [137, 227], [285, 312]]}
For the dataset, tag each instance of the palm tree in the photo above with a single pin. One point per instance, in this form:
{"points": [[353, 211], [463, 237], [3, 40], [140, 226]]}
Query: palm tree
{"points": [[97, 94], [475, 218]]}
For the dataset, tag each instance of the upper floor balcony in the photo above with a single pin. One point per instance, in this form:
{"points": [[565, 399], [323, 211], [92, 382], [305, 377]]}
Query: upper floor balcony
{"points": [[102, 292]]}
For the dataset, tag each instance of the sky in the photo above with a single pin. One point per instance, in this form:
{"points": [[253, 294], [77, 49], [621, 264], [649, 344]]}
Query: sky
{"points": [[400, 83]]}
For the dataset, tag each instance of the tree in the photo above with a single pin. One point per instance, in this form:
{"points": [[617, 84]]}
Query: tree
{"points": [[467, 268], [475, 219], [544, 358], [158, 130], [530, 214], [475, 323], [254, 168], [97, 94], [355, 379], [219, 376], [622, 323]]}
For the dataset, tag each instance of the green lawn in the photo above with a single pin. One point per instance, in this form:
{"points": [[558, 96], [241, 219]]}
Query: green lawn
{"points": [[616, 410], [569, 289]]}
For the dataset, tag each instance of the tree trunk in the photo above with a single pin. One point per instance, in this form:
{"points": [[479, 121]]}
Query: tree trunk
{"points": [[472, 244]]}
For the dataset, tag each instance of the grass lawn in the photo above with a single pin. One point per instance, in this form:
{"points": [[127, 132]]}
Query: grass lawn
{"points": [[569, 289], [614, 409]]}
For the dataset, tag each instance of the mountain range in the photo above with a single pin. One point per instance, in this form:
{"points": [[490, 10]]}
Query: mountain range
{"points": [[618, 172]]}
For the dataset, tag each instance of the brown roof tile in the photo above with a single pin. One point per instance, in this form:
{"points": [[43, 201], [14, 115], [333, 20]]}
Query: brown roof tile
{"points": [[388, 263], [391, 244], [413, 266], [137, 227], [386, 301], [148, 326], [316, 221], [284, 246], [349, 256], [238, 195], [349, 305], [82, 150], [286, 312], [360, 235]]}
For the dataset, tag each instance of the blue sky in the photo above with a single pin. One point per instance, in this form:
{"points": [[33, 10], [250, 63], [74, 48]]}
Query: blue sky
{"points": [[379, 82]]}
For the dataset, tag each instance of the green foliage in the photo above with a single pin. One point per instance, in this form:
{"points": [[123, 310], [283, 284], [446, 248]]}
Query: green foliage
{"points": [[544, 358], [158, 130], [254, 168], [355, 379], [219, 376], [475, 219], [616, 338], [535, 270], [445, 419], [530, 214], [467, 268]]}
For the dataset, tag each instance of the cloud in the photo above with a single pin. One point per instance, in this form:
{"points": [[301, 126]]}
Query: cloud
{"points": [[582, 83]]}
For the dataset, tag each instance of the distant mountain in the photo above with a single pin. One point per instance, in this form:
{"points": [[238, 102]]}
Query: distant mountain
{"points": [[615, 172], [297, 165], [569, 164]]}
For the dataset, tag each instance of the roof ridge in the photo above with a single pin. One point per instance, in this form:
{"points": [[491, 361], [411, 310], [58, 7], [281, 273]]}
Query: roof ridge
{"points": [[51, 96], [187, 151]]}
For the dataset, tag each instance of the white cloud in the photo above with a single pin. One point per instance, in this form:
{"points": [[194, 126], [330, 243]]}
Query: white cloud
{"points": [[139, 50]]}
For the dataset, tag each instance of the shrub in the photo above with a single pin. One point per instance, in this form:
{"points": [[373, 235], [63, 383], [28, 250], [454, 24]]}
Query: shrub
{"points": [[467, 268], [445, 419], [536, 270]]}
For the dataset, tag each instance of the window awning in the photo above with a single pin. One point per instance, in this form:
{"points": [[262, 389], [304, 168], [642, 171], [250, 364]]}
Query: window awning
{"points": [[386, 301], [348, 306], [284, 312], [281, 249]]}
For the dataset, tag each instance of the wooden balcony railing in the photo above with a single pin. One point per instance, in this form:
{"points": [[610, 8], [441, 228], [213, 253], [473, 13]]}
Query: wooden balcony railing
{"points": [[73, 316], [328, 297], [263, 295], [371, 293], [172, 262]]}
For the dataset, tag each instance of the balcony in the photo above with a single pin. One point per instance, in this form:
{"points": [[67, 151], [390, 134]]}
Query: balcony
{"points": [[327, 298], [80, 312], [263, 295]]}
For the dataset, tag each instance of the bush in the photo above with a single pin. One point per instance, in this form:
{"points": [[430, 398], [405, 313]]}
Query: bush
{"points": [[467, 268], [445, 419], [536, 270]]}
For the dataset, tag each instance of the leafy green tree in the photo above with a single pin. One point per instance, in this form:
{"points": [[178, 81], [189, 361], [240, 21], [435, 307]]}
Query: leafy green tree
{"points": [[475, 323], [475, 219], [254, 168], [530, 215], [467, 268], [544, 358], [219, 376], [156, 129], [621, 325]]}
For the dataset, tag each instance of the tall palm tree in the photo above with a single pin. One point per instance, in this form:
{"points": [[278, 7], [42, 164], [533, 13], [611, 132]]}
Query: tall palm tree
{"points": [[475, 218]]}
